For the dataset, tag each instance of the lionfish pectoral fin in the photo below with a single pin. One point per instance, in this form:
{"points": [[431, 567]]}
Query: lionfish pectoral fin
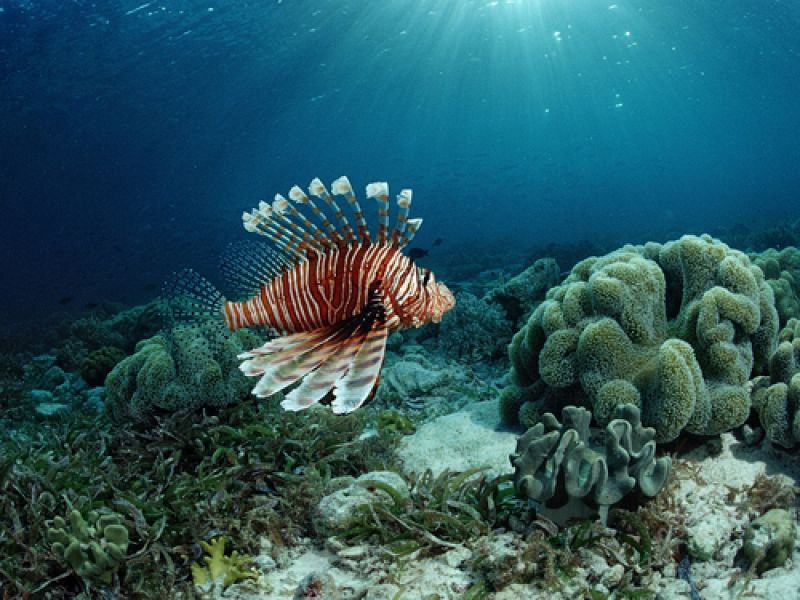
{"points": [[357, 386], [286, 360], [321, 381]]}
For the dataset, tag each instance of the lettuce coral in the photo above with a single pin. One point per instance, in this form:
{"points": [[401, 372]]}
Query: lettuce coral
{"points": [[675, 329], [557, 461], [183, 370]]}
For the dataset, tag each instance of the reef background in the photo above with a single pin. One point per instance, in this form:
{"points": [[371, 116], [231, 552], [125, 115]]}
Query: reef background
{"points": [[134, 133]]}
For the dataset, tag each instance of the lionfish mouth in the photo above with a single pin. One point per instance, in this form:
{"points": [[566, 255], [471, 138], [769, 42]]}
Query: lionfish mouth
{"points": [[444, 302]]}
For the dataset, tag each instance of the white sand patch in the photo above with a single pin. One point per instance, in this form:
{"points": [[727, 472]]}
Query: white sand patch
{"points": [[459, 441]]}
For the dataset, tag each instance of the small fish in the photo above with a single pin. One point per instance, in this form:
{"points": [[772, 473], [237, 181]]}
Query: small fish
{"points": [[149, 287], [90, 305], [64, 300], [333, 293], [417, 253], [437, 242]]}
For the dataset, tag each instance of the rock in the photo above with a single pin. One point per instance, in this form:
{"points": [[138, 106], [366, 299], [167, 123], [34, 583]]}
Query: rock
{"points": [[51, 409], [411, 380], [520, 294], [52, 378], [94, 400], [769, 539], [339, 511], [613, 576], [42, 396], [383, 591], [708, 535]]}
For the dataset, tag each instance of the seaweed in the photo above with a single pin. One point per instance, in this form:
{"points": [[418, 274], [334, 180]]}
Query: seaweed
{"points": [[440, 512], [243, 472]]}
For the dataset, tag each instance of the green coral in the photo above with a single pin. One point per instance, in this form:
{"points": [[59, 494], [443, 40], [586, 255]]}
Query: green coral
{"points": [[555, 462], [782, 271], [393, 422], [98, 364], [776, 399], [184, 370], [94, 547], [675, 329], [219, 568], [511, 400], [529, 415]]}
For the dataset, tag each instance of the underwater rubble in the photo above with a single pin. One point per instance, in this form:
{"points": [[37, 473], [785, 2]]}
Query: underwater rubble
{"points": [[627, 432]]}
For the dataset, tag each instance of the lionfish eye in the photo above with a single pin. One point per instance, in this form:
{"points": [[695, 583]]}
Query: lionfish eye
{"points": [[426, 278]]}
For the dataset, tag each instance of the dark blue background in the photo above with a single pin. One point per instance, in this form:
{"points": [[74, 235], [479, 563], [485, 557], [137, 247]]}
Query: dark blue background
{"points": [[133, 134]]}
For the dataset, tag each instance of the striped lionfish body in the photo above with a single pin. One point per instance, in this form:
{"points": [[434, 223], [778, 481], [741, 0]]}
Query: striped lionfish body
{"points": [[334, 294]]}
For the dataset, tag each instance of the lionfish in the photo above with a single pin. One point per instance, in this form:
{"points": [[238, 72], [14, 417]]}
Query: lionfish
{"points": [[332, 292]]}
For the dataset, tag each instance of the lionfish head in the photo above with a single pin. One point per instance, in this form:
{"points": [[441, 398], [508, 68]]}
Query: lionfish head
{"points": [[440, 298]]}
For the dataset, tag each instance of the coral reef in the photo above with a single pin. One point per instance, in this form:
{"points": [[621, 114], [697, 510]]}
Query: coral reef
{"points": [[94, 547], [116, 328], [676, 329], [776, 399], [183, 370], [555, 462], [474, 330]]}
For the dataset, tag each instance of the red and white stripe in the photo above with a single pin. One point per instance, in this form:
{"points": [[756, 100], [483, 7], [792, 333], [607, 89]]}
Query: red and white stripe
{"points": [[334, 285]]}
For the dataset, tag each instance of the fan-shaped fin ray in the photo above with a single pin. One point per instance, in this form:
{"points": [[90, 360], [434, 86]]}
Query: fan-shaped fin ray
{"points": [[362, 377], [320, 382]]}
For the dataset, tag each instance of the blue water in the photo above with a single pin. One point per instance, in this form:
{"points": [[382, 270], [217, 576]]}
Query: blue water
{"points": [[133, 134]]}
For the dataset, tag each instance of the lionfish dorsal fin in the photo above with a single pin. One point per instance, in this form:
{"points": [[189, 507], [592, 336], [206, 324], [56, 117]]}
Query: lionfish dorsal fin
{"points": [[403, 206], [380, 191], [286, 223], [318, 189], [299, 197], [412, 226], [260, 220], [342, 187], [247, 265]]}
